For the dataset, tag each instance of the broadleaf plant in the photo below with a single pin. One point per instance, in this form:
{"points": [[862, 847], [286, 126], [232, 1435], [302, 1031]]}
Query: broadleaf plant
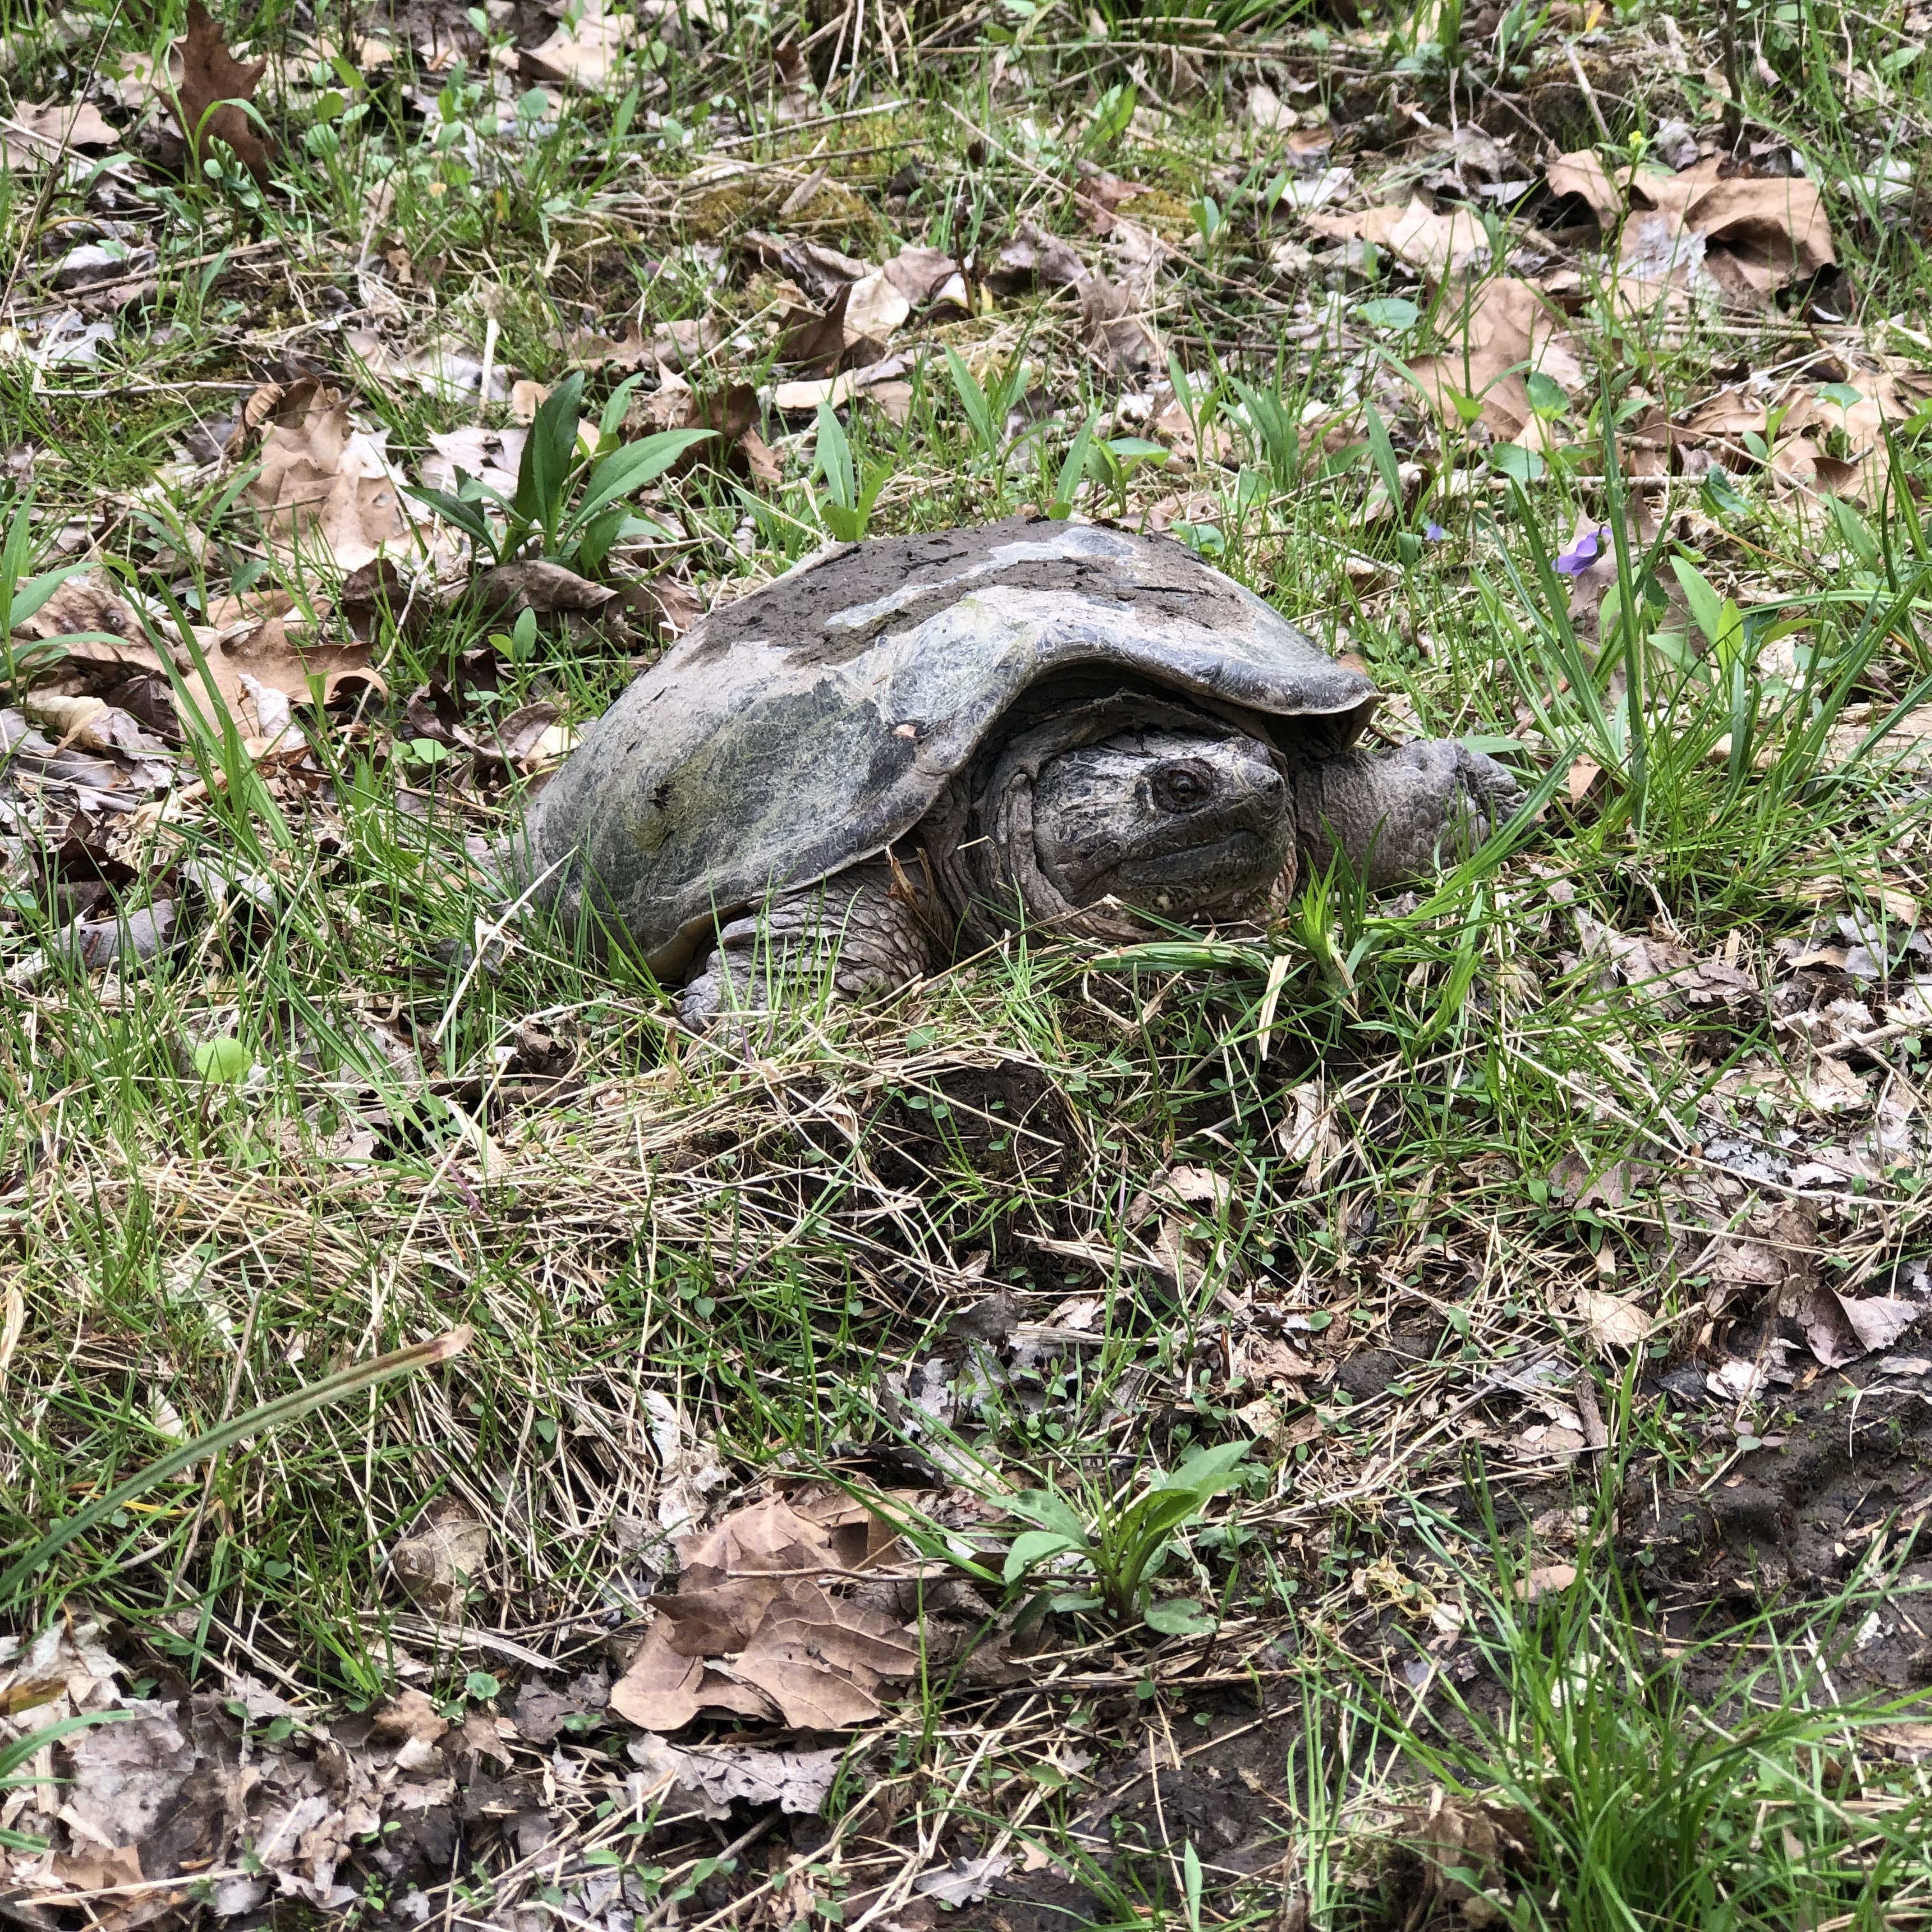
{"points": [[1120, 1542], [568, 506]]}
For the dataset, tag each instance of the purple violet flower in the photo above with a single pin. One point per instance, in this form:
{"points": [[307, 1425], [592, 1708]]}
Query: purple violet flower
{"points": [[1434, 533], [1584, 552]]}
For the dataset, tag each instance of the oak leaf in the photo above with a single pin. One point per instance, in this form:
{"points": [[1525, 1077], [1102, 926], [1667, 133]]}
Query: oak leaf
{"points": [[213, 82]]}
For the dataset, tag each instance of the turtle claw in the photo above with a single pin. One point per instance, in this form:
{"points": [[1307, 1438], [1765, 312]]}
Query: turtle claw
{"points": [[853, 936]]}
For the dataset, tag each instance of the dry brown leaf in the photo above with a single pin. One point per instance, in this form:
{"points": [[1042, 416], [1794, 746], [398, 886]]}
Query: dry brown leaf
{"points": [[874, 309], [491, 456], [589, 55], [1545, 1578], [717, 1774], [1611, 1321], [1583, 174], [34, 134], [748, 1592], [811, 1694], [664, 608], [277, 651], [926, 278], [94, 623], [1741, 237], [410, 1714], [849, 1637], [123, 1776], [768, 1539], [1510, 330], [719, 1691], [89, 722], [876, 382], [324, 485], [102, 636], [212, 82], [716, 1620], [1100, 195], [1464, 1846], [1841, 1329], [659, 1692], [255, 412], [1438, 244], [1123, 339], [1034, 255], [814, 340], [508, 590]]}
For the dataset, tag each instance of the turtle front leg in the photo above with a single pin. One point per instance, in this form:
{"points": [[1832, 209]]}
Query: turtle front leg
{"points": [[1397, 814], [853, 927]]}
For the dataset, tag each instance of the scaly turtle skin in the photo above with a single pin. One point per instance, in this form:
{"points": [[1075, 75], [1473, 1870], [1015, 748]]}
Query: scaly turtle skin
{"points": [[905, 746]]}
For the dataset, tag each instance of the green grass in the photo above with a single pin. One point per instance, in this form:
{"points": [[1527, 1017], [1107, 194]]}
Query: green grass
{"points": [[1629, 1778], [769, 1244]]}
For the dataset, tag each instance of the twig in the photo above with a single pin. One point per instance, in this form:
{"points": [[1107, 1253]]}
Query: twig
{"points": [[1734, 108], [1589, 92], [815, 121]]}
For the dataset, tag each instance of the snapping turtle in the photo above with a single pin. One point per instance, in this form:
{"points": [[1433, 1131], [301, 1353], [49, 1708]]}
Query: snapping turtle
{"points": [[906, 746]]}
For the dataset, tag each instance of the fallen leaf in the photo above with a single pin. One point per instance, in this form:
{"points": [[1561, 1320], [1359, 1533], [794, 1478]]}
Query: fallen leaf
{"points": [[717, 1775], [927, 277], [1034, 255], [540, 1714], [690, 1475], [1611, 1321], [1701, 231], [89, 722], [964, 1881], [1735, 1380], [266, 642], [767, 1539], [820, 271], [93, 623], [490, 456], [1544, 1579], [122, 1776], [1841, 1329], [504, 592], [874, 308], [811, 1693], [204, 104], [873, 381], [1440, 245], [32, 134], [1466, 1848], [410, 1714], [586, 51], [813, 339], [1510, 331], [324, 485], [657, 1693]]}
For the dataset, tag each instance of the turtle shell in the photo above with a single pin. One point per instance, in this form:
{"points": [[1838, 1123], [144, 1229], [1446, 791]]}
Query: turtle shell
{"points": [[803, 728]]}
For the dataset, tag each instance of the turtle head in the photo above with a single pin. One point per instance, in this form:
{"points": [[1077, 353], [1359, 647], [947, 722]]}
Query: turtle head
{"points": [[1172, 820]]}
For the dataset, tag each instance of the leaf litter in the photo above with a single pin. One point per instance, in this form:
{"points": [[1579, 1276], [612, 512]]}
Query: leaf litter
{"points": [[1737, 1255]]}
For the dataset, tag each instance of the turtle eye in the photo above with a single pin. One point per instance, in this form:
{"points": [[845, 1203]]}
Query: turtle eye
{"points": [[1181, 786]]}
